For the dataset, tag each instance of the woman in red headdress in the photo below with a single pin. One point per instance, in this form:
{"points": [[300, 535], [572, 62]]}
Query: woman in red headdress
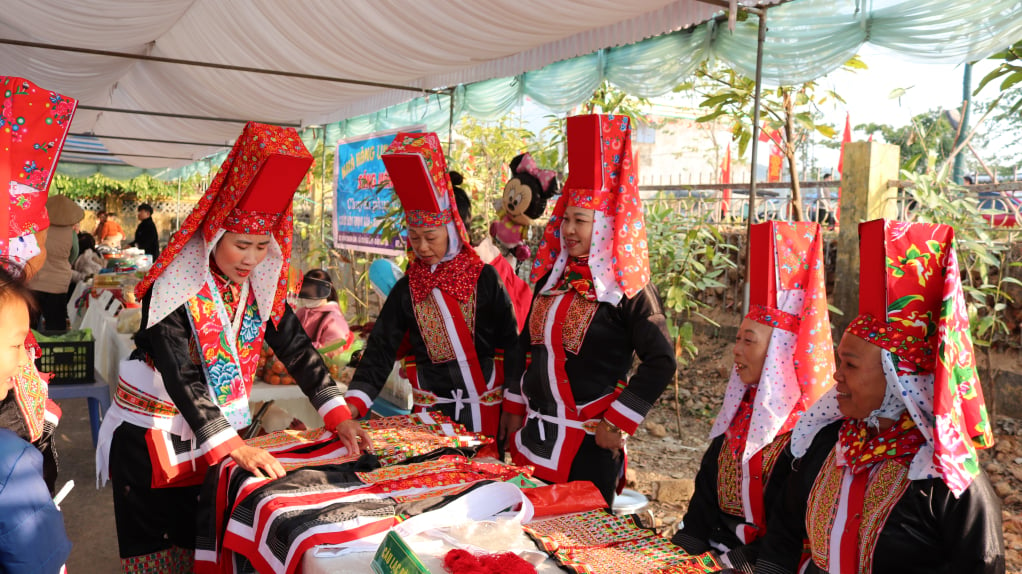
{"points": [[450, 309], [208, 303], [888, 477], [594, 307], [784, 361], [33, 127]]}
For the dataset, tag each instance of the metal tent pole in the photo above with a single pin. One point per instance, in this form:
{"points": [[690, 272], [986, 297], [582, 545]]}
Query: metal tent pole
{"points": [[761, 39]]}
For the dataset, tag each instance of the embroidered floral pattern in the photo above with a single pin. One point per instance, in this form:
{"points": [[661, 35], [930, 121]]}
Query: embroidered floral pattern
{"points": [[228, 366], [251, 222], [33, 126], [575, 325], [423, 218], [434, 329], [887, 484]]}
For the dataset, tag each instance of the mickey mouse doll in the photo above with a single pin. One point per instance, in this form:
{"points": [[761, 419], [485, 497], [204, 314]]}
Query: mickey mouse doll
{"points": [[525, 198]]}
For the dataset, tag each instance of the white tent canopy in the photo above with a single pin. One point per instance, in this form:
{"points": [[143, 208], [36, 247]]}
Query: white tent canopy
{"points": [[72, 46]]}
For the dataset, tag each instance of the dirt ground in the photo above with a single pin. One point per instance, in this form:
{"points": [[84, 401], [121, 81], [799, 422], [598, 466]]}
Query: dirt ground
{"points": [[658, 452]]}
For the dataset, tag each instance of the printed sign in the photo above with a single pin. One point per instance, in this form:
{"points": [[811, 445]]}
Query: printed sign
{"points": [[359, 201]]}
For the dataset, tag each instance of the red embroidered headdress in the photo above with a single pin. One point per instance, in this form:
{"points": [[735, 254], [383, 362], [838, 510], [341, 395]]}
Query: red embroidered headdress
{"points": [[418, 172], [33, 127], [251, 194], [912, 306], [602, 177], [787, 291]]}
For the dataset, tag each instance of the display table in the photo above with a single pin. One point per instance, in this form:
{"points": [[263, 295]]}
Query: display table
{"points": [[491, 536], [288, 397]]}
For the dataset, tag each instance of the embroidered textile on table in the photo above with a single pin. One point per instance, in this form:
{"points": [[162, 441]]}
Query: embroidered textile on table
{"points": [[265, 526], [598, 541]]}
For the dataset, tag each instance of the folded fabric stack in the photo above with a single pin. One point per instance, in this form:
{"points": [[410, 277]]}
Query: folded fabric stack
{"points": [[600, 542], [329, 496]]}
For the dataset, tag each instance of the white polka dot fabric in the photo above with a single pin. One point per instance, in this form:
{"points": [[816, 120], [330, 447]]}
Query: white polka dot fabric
{"points": [[778, 391], [189, 270], [601, 261]]}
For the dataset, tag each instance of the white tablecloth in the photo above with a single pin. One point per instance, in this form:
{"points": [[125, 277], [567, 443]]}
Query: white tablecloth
{"points": [[288, 397]]}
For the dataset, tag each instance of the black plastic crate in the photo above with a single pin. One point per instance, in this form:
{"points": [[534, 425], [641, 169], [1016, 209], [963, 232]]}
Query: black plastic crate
{"points": [[70, 362]]}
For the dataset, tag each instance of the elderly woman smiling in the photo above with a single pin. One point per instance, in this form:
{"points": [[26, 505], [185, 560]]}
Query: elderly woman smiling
{"points": [[784, 360], [889, 479]]}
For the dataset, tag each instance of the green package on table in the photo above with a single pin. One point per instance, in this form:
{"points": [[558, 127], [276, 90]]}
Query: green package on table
{"points": [[395, 557]]}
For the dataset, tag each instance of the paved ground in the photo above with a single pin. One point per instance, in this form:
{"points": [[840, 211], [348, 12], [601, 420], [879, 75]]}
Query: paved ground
{"points": [[88, 513]]}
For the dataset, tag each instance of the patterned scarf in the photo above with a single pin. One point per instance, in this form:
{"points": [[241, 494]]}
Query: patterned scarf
{"points": [[457, 277], [229, 366], [900, 442], [578, 276], [739, 428]]}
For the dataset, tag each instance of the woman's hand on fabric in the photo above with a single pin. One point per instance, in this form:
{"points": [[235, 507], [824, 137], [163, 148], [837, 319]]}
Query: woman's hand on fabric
{"points": [[353, 436], [509, 425], [258, 461], [609, 437]]}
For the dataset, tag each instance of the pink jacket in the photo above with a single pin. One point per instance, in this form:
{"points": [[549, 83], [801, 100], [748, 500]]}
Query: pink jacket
{"points": [[324, 324]]}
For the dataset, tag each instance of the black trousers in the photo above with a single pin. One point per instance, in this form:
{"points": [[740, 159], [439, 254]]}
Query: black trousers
{"points": [[53, 309], [597, 465], [148, 519]]}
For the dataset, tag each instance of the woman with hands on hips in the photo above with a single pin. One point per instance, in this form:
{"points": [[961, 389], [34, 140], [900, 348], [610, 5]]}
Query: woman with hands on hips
{"points": [[208, 303], [594, 308]]}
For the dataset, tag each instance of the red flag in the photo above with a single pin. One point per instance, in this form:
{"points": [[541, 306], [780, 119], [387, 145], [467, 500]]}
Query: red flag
{"points": [[846, 139], [725, 177]]}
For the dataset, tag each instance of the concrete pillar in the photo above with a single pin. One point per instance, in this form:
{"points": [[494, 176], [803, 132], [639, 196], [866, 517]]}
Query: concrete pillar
{"points": [[865, 196]]}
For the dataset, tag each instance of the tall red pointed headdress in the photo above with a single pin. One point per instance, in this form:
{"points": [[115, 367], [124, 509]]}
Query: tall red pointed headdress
{"points": [[251, 194], [911, 303]]}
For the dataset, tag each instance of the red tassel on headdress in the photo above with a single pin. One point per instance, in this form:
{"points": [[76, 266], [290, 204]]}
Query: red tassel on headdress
{"points": [[459, 561]]}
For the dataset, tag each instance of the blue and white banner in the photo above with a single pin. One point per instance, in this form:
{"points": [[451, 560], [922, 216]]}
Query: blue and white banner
{"points": [[358, 205]]}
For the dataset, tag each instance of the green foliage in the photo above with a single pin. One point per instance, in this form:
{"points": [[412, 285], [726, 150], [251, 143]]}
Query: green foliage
{"points": [[1009, 72], [687, 257], [142, 188], [925, 143], [982, 256]]}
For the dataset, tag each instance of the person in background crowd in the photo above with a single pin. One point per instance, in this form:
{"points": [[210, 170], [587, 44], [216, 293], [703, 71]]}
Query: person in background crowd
{"points": [[146, 237], [50, 284], [458, 369], [888, 477], [784, 361], [207, 303], [32, 534], [108, 231], [319, 311], [594, 308], [89, 261]]}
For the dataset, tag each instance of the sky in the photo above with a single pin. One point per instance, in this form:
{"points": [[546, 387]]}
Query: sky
{"points": [[867, 93]]}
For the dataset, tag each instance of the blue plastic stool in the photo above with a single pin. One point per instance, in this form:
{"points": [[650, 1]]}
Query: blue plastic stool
{"points": [[98, 394]]}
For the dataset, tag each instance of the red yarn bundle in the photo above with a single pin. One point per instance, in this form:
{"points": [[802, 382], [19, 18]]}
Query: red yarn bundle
{"points": [[460, 561]]}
